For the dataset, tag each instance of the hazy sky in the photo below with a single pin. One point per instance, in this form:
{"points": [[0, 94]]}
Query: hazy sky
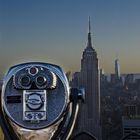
{"points": [[55, 31]]}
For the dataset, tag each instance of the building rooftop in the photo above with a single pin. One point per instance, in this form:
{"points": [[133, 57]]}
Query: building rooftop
{"points": [[131, 121]]}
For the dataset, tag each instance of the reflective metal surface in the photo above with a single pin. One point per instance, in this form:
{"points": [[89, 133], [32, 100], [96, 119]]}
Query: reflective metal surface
{"points": [[34, 105], [45, 128], [42, 134]]}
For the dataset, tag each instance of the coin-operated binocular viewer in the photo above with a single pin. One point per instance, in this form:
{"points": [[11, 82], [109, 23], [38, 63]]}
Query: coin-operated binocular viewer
{"points": [[37, 103]]}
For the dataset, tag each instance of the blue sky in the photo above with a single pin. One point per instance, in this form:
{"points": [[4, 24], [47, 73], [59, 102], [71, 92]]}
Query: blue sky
{"points": [[55, 31]]}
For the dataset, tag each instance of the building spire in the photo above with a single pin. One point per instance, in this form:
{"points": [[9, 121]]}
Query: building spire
{"points": [[89, 24], [89, 44]]}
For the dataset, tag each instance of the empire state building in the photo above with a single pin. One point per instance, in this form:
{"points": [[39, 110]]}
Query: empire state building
{"points": [[88, 78]]}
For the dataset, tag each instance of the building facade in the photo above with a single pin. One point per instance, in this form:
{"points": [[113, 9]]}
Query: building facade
{"points": [[117, 69], [131, 128], [88, 78]]}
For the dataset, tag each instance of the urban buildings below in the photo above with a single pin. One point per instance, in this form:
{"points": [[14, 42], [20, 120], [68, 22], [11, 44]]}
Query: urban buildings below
{"points": [[131, 128]]}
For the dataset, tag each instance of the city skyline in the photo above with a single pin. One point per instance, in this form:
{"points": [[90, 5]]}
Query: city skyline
{"points": [[56, 32]]}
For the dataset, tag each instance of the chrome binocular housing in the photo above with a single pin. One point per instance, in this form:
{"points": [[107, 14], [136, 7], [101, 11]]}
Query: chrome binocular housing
{"points": [[36, 103]]}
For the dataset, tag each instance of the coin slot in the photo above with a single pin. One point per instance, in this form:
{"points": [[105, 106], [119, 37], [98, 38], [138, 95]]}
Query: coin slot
{"points": [[13, 99]]}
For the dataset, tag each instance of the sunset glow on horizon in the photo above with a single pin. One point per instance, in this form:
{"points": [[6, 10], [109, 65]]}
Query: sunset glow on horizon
{"points": [[56, 32]]}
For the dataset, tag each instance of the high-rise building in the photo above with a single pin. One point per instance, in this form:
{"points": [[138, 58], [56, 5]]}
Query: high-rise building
{"points": [[130, 110], [117, 69], [89, 113], [131, 128]]}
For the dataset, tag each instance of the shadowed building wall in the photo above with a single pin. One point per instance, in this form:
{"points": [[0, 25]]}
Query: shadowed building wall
{"points": [[89, 114]]}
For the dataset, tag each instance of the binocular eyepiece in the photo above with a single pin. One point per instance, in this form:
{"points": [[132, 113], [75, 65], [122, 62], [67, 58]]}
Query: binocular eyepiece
{"points": [[37, 103]]}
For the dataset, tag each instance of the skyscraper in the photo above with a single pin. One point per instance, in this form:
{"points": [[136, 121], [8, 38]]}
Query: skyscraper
{"points": [[89, 114], [117, 69]]}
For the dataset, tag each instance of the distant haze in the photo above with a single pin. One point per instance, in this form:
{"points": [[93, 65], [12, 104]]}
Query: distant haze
{"points": [[56, 32]]}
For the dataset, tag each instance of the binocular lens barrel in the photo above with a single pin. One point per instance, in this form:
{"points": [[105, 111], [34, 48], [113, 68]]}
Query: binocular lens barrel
{"points": [[25, 80], [41, 80]]}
